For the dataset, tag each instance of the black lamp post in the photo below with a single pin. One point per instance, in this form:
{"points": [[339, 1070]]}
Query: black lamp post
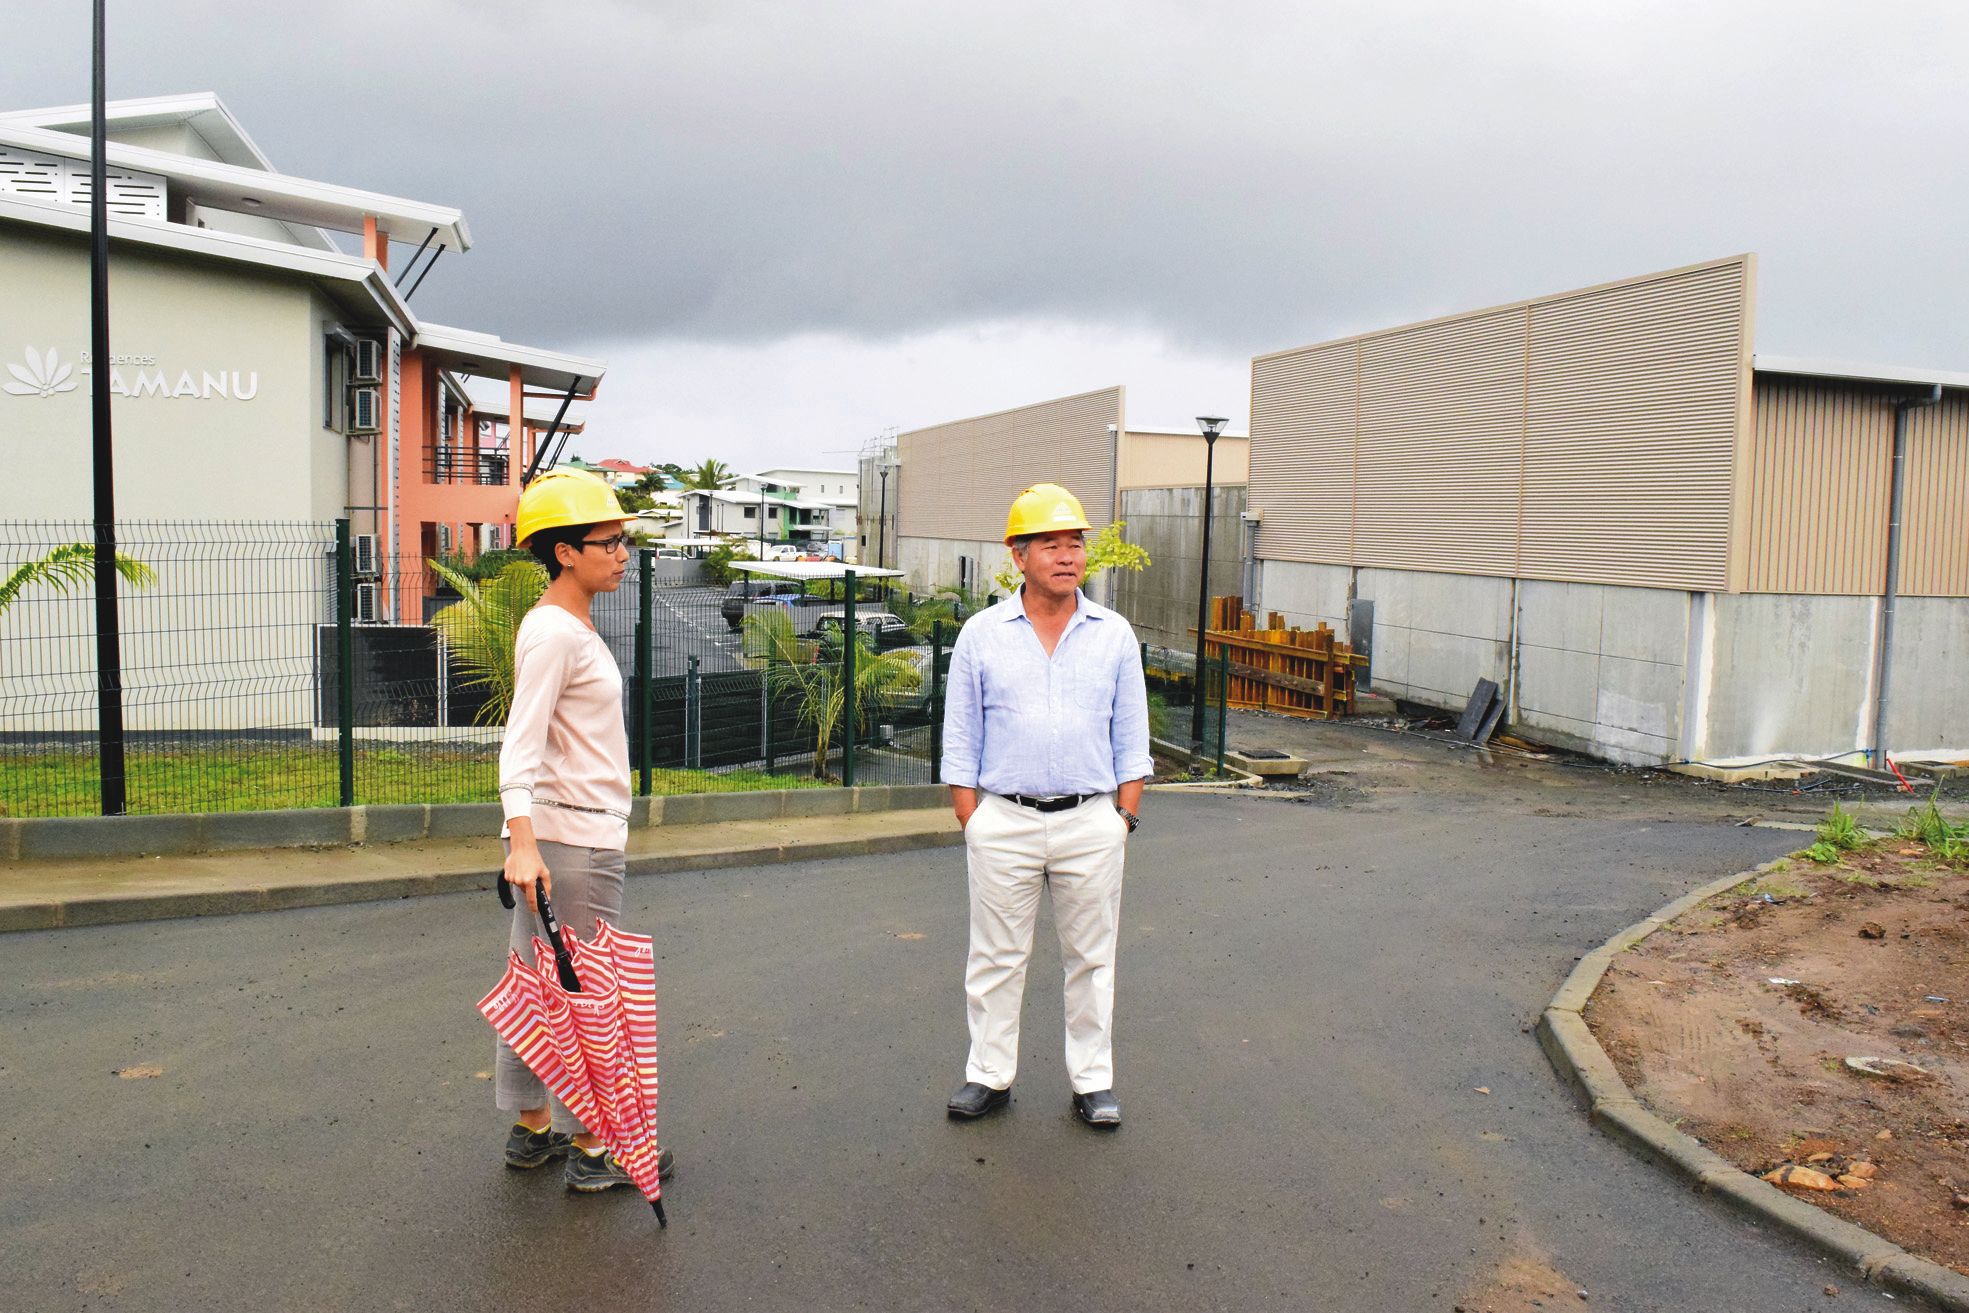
{"points": [[109, 645], [882, 520], [1212, 425]]}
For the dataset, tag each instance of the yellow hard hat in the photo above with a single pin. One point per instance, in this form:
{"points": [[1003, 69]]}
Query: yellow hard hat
{"points": [[1044, 508], [559, 498]]}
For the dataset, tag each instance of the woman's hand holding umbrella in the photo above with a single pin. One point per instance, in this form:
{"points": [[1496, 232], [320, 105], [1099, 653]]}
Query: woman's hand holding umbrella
{"points": [[524, 866]]}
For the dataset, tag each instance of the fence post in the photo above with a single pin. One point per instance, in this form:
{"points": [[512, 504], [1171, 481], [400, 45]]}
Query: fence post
{"points": [[645, 666], [766, 711], [693, 717], [850, 641], [936, 702], [345, 667], [1223, 699]]}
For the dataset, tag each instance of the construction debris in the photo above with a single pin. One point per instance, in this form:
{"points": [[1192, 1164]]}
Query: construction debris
{"points": [[1281, 668]]}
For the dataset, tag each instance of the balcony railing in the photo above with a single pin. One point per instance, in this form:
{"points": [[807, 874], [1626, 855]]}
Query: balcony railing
{"points": [[482, 468]]}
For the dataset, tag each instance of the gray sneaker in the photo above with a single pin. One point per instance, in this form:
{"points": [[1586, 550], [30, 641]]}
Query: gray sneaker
{"points": [[592, 1172], [528, 1148]]}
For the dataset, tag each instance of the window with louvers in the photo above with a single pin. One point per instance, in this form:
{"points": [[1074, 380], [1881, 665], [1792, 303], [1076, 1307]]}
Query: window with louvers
{"points": [[56, 180]]}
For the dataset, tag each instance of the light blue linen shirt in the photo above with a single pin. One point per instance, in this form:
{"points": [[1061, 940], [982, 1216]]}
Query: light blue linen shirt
{"points": [[1018, 721]]}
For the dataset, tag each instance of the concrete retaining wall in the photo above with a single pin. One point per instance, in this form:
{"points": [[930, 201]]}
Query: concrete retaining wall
{"points": [[932, 563], [47, 838], [1652, 675]]}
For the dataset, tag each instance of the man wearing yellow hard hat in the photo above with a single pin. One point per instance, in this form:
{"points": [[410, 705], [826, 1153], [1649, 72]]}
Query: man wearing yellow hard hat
{"points": [[564, 782], [1046, 748]]}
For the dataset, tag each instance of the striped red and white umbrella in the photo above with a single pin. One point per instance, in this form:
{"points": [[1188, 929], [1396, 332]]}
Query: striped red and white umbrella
{"points": [[594, 1046]]}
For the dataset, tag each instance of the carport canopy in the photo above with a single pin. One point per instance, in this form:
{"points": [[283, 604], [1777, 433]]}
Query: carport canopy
{"points": [[814, 570]]}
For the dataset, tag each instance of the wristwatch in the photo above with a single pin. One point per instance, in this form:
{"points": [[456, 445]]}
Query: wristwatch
{"points": [[1126, 815]]}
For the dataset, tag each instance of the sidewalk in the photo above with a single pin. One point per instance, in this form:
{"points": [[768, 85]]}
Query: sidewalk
{"points": [[46, 895]]}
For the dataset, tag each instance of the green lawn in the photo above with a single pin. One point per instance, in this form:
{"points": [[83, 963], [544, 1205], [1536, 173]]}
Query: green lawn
{"points": [[255, 777]]}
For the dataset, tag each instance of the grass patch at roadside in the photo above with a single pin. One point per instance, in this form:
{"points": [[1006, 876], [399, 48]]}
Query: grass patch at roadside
{"points": [[234, 777]]}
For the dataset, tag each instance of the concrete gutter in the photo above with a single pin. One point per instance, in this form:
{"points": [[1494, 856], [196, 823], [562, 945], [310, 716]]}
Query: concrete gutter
{"points": [[1579, 1059], [57, 838]]}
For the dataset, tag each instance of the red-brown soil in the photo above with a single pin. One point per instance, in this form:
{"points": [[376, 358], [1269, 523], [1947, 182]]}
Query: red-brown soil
{"points": [[1875, 955]]}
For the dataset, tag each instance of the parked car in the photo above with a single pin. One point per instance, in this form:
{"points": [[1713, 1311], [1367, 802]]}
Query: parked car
{"points": [[671, 554], [745, 592], [885, 627]]}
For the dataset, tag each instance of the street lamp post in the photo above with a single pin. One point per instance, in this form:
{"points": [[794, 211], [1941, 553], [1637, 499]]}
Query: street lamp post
{"points": [[1211, 425], [882, 521], [109, 639]]}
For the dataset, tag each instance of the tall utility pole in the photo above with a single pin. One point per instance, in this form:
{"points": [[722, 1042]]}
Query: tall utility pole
{"points": [[109, 660]]}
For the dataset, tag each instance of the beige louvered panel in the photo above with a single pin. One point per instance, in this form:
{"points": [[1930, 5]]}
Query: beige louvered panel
{"points": [[1635, 393], [1816, 489], [1303, 414], [1441, 421], [962, 476], [1935, 533]]}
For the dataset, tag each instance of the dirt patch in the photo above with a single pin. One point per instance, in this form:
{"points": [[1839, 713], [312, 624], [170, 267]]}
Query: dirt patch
{"points": [[1522, 1285], [1736, 1023]]}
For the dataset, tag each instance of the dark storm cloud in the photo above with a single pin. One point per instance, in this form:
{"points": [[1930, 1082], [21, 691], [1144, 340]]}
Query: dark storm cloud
{"points": [[1239, 176]]}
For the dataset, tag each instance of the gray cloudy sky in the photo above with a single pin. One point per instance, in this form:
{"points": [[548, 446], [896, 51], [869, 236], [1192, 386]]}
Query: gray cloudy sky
{"points": [[789, 225]]}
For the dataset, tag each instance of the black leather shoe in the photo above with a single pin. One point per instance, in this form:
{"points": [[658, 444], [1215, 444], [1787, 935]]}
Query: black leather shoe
{"points": [[1099, 1109], [975, 1100]]}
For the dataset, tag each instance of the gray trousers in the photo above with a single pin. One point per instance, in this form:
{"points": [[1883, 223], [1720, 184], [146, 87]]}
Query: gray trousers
{"points": [[587, 884]]}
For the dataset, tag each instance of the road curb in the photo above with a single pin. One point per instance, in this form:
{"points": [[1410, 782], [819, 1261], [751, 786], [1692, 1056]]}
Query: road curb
{"points": [[124, 909], [1578, 1058]]}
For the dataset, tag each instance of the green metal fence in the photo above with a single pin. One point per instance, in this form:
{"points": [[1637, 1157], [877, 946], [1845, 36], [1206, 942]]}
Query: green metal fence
{"points": [[290, 665]]}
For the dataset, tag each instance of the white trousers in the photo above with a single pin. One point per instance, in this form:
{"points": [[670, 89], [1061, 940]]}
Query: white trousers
{"points": [[1013, 852]]}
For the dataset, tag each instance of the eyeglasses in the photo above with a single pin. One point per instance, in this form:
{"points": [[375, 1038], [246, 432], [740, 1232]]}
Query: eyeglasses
{"points": [[612, 543]]}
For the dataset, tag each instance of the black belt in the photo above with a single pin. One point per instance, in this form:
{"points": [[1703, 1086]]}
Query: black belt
{"points": [[1061, 804]]}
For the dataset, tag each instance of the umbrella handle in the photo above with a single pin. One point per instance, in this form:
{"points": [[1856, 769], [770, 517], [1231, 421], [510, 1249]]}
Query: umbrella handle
{"points": [[563, 960]]}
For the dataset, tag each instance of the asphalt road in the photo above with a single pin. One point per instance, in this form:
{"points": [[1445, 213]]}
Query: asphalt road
{"points": [[1310, 994]]}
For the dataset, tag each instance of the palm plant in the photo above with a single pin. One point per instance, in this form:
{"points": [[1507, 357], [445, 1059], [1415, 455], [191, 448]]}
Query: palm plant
{"points": [[802, 670], [481, 628], [70, 566], [711, 474]]}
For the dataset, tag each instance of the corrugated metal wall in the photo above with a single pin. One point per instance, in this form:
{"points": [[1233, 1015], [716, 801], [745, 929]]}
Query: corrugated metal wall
{"points": [[1585, 437], [964, 475], [1816, 477], [1935, 533], [1815, 515]]}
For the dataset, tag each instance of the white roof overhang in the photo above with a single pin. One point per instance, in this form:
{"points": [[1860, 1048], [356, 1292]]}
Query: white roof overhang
{"points": [[486, 356], [330, 267], [202, 111], [1849, 372], [263, 194]]}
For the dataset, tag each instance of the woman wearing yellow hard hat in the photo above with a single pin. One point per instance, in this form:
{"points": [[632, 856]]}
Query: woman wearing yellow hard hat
{"points": [[564, 780]]}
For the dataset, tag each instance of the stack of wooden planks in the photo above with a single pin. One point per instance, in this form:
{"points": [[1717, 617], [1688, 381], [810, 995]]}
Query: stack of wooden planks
{"points": [[1282, 668]]}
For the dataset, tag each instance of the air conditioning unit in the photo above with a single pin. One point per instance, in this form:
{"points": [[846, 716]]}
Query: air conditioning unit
{"points": [[366, 410], [444, 540], [367, 363], [364, 555], [369, 599]]}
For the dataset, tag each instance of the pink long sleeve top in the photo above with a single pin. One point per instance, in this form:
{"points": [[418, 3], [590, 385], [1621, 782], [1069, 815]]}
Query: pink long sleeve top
{"points": [[565, 761]]}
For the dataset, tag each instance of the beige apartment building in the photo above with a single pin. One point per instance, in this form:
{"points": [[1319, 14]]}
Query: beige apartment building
{"points": [[1663, 545], [954, 482]]}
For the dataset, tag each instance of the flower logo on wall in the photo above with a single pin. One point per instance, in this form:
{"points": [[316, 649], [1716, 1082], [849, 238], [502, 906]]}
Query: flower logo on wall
{"points": [[42, 377]]}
